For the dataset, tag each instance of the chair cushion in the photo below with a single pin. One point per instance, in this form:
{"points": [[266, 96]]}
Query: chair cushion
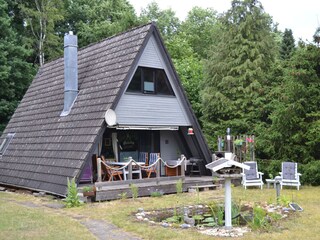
{"points": [[289, 170], [252, 173]]}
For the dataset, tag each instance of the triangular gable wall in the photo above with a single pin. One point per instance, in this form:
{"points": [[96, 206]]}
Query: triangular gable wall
{"points": [[152, 110]]}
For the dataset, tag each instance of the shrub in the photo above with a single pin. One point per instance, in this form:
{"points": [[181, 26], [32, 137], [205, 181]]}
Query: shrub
{"points": [[179, 186], [310, 173], [259, 218], [269, 168], [72, 199], [134, 190], [156, 194], [123, 195]]}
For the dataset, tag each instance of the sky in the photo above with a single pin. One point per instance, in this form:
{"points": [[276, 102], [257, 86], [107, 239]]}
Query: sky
{"points": [[302, 17]]}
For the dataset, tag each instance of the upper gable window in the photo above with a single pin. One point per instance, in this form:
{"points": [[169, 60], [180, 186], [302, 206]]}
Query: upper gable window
{"points": [[150, 81], [5, 143]]}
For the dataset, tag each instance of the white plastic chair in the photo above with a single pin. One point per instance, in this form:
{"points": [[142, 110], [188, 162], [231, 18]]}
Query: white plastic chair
{"points": [[252, 177], [289, 175]]}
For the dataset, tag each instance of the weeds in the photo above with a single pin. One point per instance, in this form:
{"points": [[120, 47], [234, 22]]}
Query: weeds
{"points": [[72, 199], [179, 186], [134, 190], [123, 195]]}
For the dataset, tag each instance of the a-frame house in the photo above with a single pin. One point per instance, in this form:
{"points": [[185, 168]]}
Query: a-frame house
{"points": [[117, 97]]}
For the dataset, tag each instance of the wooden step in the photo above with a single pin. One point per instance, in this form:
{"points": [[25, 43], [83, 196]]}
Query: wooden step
{"points": [[203, 187]]}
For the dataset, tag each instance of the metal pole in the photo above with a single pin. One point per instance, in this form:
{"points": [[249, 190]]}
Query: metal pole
{"points": [[130, 168], [277, 183], [227, 203]]}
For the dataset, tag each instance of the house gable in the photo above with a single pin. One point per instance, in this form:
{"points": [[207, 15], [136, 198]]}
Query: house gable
{"points": [[138, 109]]}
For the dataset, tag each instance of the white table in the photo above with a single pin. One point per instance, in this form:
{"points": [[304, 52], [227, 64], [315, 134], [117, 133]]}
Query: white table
{"points": [[270, 181]]}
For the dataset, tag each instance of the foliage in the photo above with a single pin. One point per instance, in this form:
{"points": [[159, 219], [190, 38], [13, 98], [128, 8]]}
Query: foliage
{"points": [[287, 45], [72, 199], [88, 189], [293, 133], [166, 20], [15, 72], [284, 201], [179, 186], [40, 17], [269, 167], [95, 20], [310, 173], [134, 191], [123, 195], [156, 194], [259, 220], [235, 84], [199, 29], [217, 211]]}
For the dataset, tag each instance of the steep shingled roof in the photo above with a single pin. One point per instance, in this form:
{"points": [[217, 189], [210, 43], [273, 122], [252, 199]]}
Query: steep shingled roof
{"points": [[47, 148]]}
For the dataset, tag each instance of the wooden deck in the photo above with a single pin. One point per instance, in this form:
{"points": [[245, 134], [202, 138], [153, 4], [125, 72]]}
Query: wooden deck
{"points": [[114, 190]]}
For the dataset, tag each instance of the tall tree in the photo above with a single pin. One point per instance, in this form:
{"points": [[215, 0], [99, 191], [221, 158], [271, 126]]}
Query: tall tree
{"points": [[287, 44], [200, 28], [295, 130], [97, 19], [166, 20], [15, 72], [40, 16], [234, 88]]}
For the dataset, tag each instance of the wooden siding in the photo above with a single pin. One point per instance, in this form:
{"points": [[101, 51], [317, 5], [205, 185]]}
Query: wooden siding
{"points": [[151, 56], [150, 110]]}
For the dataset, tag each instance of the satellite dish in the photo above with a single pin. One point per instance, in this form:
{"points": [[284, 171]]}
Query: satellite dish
{"points": [[110, 117]]}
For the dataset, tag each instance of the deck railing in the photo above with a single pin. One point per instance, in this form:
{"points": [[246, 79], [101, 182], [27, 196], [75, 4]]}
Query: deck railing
{"points": [[132, 162]]}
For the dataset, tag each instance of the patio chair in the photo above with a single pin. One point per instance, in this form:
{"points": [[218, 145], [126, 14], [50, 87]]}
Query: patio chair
{"points": [[143, 157], [108, 172], [152, 159], [289, 175], [252, 177]]}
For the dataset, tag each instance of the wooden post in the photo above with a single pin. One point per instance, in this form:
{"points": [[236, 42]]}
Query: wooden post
{"points": [[158, 167], [183, 174], [99, 169], [130, 169]]}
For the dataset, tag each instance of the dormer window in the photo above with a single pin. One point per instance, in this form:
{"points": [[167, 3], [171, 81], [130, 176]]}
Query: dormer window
{"points": [[150, 81], [5, 143]]}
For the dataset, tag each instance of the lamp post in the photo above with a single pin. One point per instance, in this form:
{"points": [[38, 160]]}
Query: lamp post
{"points": [[228, 140]]}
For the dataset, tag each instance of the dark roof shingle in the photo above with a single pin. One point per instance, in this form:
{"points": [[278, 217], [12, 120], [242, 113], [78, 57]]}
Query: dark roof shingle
{"points": [[47, 148]]}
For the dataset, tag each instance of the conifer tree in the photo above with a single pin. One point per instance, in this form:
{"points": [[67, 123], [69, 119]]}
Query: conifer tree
{"points": [[236, 70], [287, 44]]}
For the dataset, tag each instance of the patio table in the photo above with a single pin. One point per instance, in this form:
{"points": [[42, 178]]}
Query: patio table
{"points": [[270, 181]]}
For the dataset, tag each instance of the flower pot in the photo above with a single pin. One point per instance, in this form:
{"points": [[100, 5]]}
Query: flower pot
{"points": [[89, 194]]}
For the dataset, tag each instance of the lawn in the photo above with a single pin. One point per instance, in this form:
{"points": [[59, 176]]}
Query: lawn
{"points": [[20, 222]]}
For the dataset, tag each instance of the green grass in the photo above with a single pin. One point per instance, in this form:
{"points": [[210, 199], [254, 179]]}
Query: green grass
{"points": [[46, 224], [21, 222]]}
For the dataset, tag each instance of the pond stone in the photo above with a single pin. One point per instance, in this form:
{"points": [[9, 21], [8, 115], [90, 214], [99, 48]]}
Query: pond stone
{"points": [[140, 210], [185, 226], [165, 225]]}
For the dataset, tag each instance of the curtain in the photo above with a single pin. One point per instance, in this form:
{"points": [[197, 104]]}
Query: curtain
{"points": [[115, 145]]}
